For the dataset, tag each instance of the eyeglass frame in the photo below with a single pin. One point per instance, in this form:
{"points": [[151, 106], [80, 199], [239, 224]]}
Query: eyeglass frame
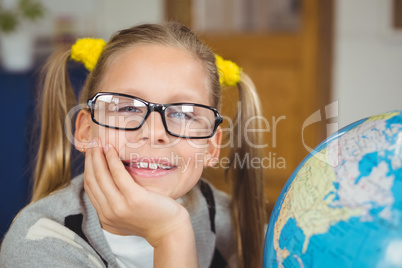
{"points": [[153, 107]]}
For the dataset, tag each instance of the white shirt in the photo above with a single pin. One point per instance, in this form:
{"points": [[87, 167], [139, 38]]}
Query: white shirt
{"points": [[131, 251]]}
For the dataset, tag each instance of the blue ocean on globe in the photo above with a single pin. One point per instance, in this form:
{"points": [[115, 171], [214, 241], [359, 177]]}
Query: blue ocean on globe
{"points": [[342, 206]]}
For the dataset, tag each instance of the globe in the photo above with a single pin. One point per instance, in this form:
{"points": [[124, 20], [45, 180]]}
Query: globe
{"points": [[342, 206]]}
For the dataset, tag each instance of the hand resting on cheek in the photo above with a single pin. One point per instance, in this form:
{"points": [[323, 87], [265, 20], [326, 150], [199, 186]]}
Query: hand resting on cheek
{"points": [[126, 208]]}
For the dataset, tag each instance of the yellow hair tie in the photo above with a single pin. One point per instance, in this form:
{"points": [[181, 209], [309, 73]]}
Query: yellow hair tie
{"points": [[229, 72], [87, 51]]}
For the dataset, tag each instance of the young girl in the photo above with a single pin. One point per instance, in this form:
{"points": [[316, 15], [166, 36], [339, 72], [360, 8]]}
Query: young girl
{"points": [[149, 128]]}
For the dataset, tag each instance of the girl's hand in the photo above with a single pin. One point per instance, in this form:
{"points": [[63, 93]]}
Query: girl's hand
{"points": [[124, 207]]}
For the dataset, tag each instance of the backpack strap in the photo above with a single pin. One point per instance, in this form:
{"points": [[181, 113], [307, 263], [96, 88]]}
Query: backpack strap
{"points": [[206, 191], [74, 223]]}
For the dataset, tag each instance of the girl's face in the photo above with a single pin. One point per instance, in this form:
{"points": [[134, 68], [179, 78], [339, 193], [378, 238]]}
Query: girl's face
{"points": [[156, 160]]}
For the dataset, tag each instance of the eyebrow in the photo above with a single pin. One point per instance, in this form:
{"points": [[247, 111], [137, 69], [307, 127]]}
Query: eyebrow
{"points": [[181, 97], [186, 97]]}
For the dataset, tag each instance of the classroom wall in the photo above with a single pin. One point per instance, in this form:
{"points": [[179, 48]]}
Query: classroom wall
{"points": [[367, 76], [101, 18]]}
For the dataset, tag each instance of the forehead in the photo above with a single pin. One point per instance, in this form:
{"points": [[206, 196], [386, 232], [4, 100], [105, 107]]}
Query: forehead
{"points": [[159, 74]]}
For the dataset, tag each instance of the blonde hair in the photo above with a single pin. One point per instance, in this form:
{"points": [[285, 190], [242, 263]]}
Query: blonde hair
{"points": [[53, 159]]}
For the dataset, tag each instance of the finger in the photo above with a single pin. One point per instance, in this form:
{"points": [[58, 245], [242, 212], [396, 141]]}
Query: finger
{"points": [[104, 202], [92, 198], [90, 182], [127, 186], [104, 177], [99, 209]]}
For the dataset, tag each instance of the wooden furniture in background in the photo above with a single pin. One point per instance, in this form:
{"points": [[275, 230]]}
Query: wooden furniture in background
{"points": [[292, 73]]}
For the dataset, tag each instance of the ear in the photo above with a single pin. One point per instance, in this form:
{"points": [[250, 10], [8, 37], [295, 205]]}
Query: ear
{"points": [[213, 149], [82, 135]]}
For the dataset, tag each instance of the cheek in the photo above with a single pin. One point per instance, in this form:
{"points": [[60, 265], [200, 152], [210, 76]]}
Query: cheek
{"points": [[194, 155], [196, 146], [109, 136]]}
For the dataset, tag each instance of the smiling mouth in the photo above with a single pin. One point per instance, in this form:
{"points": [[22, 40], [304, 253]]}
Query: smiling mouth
{"points": [[149, 166]]}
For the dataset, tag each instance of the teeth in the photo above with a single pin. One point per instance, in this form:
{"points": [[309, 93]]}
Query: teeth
{"points": [[165, 167], [153, 166], [142, 165]]}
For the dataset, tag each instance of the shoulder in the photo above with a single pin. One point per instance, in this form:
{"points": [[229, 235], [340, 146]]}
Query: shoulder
{"points": [[38, 236], [55, 206]]}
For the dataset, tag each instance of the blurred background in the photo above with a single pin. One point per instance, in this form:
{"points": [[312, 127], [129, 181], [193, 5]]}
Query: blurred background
{"points": [[318, 66]]}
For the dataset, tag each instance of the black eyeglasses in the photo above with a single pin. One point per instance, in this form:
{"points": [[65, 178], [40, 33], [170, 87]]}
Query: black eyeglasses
{"points": [[125, 112]]}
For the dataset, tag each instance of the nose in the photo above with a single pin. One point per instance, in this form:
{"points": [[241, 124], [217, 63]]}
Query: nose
{"points": [[154, 130]]}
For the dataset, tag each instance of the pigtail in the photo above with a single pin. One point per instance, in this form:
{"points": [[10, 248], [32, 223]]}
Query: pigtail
{"points": [[248, 202], [52, 170]]}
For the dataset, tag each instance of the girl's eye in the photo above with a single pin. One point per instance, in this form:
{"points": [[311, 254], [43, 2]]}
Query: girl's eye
{"points": [[126, 109], [181, 115]]}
